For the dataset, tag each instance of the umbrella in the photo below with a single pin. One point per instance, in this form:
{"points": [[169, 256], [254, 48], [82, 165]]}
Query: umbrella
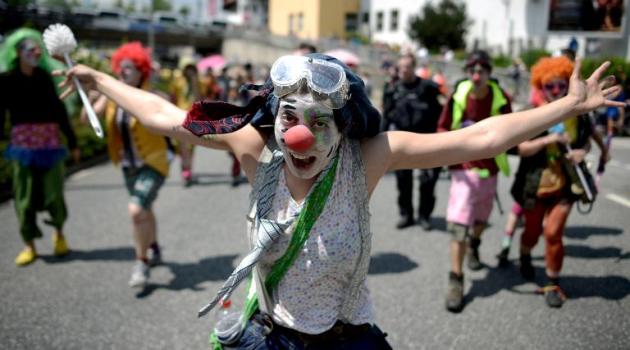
{"points": [[345, 56], [214, 62]]}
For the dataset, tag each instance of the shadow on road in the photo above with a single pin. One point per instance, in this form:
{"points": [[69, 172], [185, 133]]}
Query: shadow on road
{"points": [[586, 252], [191, 275], [390, 263], [583, 232], [582, 251], [607, 287], [106, 254]]}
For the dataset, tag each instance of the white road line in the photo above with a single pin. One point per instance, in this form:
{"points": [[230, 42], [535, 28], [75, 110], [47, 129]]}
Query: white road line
{"points": [[619, 199]]}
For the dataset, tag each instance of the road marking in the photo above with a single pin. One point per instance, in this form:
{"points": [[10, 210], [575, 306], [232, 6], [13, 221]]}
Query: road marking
{"points": [[619, 199], [81, 174]]}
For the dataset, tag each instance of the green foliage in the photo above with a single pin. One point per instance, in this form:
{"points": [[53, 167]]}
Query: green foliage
{"points": [[20, 2], [359, 38], [57, 3], [618, 67], [501, 61], [460, 55], [184, 11], [530, 57], [441, 25], [90, 145], [160, 5]]}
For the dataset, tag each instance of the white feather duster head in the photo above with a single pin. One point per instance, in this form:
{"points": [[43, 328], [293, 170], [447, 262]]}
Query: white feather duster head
{"points": [[59, 39]]}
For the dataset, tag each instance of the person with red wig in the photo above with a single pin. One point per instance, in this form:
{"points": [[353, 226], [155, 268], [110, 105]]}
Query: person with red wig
{"points": [[142, 155], [542, 185]]}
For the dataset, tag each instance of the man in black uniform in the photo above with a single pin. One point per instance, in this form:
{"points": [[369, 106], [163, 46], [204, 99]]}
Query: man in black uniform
{"points": [[411, 104]]}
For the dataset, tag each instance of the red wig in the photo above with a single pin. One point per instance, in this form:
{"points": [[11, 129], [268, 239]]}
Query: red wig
{"points": [[549, 68], [135, 52]]}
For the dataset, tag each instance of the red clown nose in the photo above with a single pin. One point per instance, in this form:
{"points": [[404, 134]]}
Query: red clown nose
{"points": [[299, 138]]}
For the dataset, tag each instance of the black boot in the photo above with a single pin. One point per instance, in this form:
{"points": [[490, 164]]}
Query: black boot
{"points": [[503, 257], [405, 221], [472, 254], [455, 293], [527, 269]]}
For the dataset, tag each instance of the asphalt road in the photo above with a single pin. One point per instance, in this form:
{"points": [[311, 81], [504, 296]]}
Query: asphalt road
{"points": [[83, 302]]}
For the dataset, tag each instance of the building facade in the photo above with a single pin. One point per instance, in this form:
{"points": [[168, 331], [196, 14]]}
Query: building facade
{"points": [[500, 26], [314, 19]]}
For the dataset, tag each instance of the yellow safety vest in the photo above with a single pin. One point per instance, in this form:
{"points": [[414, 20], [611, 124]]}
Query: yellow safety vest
{"points": [[460, 98]]}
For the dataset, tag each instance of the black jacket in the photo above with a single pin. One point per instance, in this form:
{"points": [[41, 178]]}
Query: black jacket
{"points": [[412, 106]]}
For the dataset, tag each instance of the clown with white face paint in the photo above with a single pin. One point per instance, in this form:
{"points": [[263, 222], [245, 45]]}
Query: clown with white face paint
{"points": [[129, 73], [307, 134], [142, 156], [36, 152], [309, 226]]}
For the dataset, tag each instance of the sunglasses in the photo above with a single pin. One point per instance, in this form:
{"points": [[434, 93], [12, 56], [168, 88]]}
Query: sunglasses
{"points": [[560, 86], [326, 80], [479, 71]]}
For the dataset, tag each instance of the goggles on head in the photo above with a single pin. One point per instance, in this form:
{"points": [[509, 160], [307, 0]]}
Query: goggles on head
{"points": [[326, 80]]}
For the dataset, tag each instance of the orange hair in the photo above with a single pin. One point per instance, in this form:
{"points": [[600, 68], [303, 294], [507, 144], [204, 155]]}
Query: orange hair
{"points": [[135, 52], [549, 68]]}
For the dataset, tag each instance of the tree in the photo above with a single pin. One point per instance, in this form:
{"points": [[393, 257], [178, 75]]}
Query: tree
{"points": [[184, 11], [441, 25], [160, 5]]}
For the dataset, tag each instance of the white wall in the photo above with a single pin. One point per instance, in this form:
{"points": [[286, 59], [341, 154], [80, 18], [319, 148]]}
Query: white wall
{"points": [[406, 9]]}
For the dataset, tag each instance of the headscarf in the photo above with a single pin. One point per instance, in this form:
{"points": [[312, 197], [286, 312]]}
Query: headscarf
{"points": [[358, 118]]}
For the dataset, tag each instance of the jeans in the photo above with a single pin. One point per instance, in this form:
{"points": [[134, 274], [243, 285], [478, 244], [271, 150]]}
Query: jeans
{"points": [[259, 337]]}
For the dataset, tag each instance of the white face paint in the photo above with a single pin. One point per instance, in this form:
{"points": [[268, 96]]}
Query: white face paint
{"points": [[301, 110], [30, 53], [129, 73]]}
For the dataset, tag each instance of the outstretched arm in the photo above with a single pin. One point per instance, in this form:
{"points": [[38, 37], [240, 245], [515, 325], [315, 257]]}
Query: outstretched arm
{"points": [[485, 139], [154, 112]]}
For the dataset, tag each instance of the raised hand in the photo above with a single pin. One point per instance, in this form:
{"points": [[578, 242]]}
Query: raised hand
{"points": [[593, 92], [86, 76]]}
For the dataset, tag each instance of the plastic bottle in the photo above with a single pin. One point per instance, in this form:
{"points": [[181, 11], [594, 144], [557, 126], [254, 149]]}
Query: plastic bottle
{"points": [[228, 326]]}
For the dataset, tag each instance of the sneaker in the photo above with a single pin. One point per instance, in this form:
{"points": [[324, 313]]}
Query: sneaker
{"points": [[455, 294], [526, 268], [425, 224], [155, 257], [26, 256], [503, 257], [139, 275], [60, 245], [405, 221], [554, 296]]}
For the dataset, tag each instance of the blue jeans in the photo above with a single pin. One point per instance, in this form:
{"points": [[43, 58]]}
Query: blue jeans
{"points": [[258, 337]]}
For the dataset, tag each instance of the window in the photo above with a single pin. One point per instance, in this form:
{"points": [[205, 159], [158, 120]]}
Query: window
{"points": [[300, 21], [291, 24], [351, 22], [379, 21], [366, 18], [393, 24]]}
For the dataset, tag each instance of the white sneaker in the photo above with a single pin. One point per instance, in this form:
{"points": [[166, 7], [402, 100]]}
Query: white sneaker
{"points": [[139, 275]]}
